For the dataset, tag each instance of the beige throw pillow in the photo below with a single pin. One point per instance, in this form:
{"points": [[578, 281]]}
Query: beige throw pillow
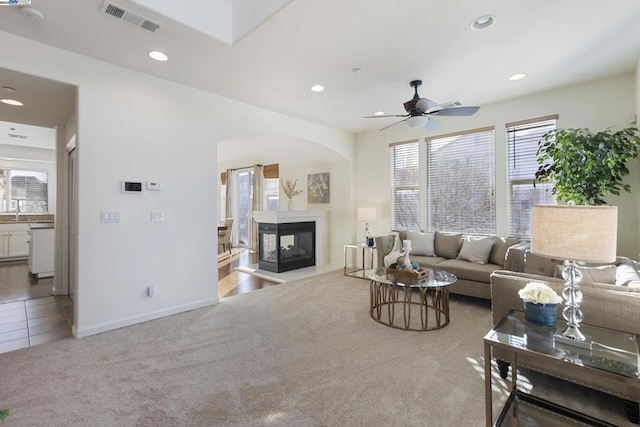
{"points": [[476, 249], [421, 243], [447, 245]]}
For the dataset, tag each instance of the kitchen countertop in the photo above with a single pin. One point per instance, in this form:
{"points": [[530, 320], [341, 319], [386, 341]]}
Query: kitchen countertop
{"points": [[40, 225]]}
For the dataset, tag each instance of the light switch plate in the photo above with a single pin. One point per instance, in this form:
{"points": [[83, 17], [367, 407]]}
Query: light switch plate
{"points": [[109, 217], [157, 216]]}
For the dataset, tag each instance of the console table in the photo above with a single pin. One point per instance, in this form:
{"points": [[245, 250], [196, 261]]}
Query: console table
{"points": [[611, 364]]}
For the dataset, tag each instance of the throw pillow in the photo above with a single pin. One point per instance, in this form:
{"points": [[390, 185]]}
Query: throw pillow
{"points": [[447, 245], [603, 274], [476, 249], [539, 265], [500, 247], [421, 243], [626, 275]]}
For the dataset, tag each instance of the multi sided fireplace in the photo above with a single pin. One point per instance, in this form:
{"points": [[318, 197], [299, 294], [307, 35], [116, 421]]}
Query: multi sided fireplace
{"points": [[286, 246]]}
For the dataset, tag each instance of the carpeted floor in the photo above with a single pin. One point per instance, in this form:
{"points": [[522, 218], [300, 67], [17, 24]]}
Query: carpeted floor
{"points": [[304, 353]]}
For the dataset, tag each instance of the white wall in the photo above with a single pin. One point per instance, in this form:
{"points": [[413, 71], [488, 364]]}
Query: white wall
{"points": [[136, 127], [596, 105]]}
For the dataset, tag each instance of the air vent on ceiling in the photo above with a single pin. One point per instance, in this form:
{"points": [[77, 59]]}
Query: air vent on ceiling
{"points": [[15, 135], [132, 18]]}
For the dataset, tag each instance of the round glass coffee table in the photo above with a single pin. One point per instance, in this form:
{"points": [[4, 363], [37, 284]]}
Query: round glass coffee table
{"points": [[421, 305]]}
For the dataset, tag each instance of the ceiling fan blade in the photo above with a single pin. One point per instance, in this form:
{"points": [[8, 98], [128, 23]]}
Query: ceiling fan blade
{"points": [[386, 115], [424, 104], [433, 124], [456, 111], [393, 124]]}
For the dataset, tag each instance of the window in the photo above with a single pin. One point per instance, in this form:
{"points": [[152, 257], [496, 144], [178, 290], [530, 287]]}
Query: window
{"points": [[522, 141], [24, 191], [404, 167], [461, 183]]}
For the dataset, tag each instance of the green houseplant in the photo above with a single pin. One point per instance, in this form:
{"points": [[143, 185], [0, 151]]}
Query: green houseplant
{"points": [[586, 166]]}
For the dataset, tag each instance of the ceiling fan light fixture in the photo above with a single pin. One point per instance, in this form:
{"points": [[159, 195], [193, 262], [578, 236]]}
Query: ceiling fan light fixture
{"points": [[483, 22], [417, 121]]}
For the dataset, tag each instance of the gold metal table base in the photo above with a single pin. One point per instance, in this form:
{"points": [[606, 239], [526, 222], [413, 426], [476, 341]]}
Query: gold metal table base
{"points": [[391, 304]]}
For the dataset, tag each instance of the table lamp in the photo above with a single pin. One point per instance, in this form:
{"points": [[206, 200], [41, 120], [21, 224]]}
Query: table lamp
{"points": [[574, 234], [365, 215]]}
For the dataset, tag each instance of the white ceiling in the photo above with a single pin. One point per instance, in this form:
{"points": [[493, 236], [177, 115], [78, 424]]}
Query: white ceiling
{"points": [[309, 41]]}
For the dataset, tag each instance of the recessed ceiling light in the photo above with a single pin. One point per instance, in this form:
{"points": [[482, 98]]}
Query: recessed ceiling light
{"points": [[517, 76], [483, 22], [379, 113], [317, 88], [13, 102], [158, 56]]}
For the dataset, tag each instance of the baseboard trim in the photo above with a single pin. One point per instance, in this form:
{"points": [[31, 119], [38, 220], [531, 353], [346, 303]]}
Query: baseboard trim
{"points": [[133, 320]]}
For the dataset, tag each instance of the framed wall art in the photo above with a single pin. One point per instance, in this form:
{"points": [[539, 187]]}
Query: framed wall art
{"points": [[318, 188]]}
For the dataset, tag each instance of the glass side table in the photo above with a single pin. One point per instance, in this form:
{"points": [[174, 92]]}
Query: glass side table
{"points": [[611, 365], [367, 253]]}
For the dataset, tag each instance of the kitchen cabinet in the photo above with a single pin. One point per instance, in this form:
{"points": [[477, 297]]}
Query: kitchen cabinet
{"points": [[14, 240], [41, 249], [4, 244]]}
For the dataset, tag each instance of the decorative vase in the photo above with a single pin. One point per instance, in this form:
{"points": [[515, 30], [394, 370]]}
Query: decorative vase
{"points": [[290, 205], [540, 314]]}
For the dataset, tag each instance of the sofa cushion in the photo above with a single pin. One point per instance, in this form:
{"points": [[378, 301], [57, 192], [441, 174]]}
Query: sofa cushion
{"points": [[500, 247], [447, 245], [627, 275], [425, 261], [421, 243], [476, 249], [468, 270], [602, 274]]}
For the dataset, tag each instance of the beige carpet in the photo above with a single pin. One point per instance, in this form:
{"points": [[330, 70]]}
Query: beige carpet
{"points": [[304, 353]]}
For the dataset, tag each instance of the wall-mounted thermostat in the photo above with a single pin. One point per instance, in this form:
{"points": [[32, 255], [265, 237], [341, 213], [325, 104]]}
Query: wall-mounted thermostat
{"points": [[153, 185], [131, 187]]}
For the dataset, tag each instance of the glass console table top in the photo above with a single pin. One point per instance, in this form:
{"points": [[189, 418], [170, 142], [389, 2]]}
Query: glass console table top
{"points": [[613, 351]]}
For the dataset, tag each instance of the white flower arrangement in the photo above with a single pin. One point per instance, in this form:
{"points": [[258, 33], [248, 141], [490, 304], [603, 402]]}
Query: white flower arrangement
{"points": [[539, 293]]}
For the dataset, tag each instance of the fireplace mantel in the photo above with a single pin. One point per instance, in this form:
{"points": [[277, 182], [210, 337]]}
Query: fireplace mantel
{"points": [[321, 218]]}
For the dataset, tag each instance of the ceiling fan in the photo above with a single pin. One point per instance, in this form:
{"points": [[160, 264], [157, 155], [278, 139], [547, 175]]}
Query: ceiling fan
{"points": [[419, 111]]}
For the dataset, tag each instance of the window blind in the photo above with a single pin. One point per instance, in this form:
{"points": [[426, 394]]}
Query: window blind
{"points": [[461, 182], [522, 141], [404, 168]]}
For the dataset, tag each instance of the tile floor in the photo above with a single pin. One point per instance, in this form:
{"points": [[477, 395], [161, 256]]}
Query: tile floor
{"points": [[34, 321]]}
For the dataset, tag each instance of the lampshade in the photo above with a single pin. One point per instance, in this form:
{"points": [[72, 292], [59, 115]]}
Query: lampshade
{"points": [[417, 121], [575, 233], [366, 214]]}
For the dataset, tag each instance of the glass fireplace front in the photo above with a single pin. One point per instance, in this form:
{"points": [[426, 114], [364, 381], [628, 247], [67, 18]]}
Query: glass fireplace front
{"points": [[287, 246]]}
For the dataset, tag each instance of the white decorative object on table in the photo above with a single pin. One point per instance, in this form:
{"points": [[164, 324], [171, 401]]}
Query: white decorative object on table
{"points": [[407, 249]]}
